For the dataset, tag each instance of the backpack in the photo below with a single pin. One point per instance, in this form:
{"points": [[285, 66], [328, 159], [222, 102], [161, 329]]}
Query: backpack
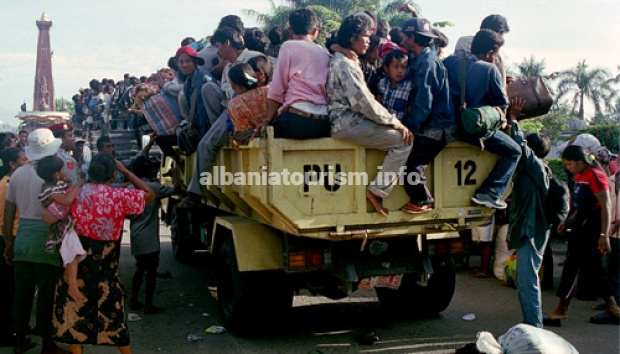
{"points": [[557, 202]]}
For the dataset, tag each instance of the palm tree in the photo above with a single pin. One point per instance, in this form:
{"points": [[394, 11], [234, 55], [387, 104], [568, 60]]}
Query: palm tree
{"points": [[582, 83], [531, 67]]}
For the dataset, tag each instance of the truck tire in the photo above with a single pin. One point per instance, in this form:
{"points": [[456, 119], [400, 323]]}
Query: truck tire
{"points": [[411, 298], [247, 301], [181, 245]]}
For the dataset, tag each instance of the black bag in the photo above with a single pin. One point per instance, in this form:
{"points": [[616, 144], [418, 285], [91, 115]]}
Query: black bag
{"points": [[188, 137], [557, 203]]}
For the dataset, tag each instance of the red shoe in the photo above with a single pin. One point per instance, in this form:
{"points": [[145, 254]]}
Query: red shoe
{"points": [[411, 208]]}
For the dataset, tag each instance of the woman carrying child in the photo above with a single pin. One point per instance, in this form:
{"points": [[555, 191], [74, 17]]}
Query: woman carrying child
{"points": [[55, 191]]}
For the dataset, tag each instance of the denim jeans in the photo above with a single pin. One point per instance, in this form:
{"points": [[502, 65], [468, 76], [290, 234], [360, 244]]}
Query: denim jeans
{"points": [[423, 152], [509, 153], [293, 126], [210, 144], [382, 137], [529, 261]]}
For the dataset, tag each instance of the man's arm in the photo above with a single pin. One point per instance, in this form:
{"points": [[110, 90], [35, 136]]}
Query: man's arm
{"points": [[9, 217]]}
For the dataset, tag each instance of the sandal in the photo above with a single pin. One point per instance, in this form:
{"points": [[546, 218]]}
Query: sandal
{"points": [[187, 202], [411, 208], [605, 318]]}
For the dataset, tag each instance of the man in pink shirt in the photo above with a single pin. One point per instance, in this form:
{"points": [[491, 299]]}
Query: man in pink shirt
{"points": [[297, 98]]}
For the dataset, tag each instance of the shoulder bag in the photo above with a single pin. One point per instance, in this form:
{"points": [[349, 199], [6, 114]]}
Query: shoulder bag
{"points": [[188, 137]]}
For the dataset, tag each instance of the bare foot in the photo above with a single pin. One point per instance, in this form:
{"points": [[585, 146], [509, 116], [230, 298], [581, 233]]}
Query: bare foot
{"points": [[557, 314], [377, 203], [76, 295]]}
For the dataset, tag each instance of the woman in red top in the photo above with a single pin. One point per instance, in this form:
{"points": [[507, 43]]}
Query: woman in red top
{"points": [[99, 212], [588, 240]]}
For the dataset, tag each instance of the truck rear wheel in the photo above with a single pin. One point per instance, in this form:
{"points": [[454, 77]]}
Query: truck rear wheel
{"points": [[248, 299], [412, 298]]}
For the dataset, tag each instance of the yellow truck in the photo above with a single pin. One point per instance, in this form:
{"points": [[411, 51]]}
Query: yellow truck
{"points": [[318, 231]]}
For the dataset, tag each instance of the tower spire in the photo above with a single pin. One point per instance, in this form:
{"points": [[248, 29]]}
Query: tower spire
{"points": [[43, 81]]}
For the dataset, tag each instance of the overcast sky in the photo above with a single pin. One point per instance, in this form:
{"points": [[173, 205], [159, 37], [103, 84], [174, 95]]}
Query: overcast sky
{"points": [[106, 38]]}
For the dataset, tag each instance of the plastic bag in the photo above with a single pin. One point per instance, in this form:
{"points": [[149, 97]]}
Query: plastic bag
{"points": [[525, 339], [502, 253]]}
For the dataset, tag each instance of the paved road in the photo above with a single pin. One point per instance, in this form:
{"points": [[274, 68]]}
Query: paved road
{"points": [[321, 325]]}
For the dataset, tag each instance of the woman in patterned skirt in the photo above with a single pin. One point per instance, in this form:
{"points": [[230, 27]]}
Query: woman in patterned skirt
{"points": [[99, 212]]}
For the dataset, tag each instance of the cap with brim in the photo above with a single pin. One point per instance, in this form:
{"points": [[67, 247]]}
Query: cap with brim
{"points": [[42, 143], [419, 26], [191, 52]]}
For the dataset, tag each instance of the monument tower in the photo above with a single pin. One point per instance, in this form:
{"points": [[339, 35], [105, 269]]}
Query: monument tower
{"points": [[43, 81]]}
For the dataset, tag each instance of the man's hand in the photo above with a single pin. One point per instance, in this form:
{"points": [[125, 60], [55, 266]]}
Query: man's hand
{"points": [[603, 245], [516, 106], [8, 253], [408, 8], [408, 137]]}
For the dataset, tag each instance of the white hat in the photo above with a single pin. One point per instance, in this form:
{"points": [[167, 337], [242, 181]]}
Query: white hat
{"points": [[42, 143]]}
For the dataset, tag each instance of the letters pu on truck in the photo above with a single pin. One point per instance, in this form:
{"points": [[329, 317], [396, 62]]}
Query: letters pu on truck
{"points": [[270, 240]]}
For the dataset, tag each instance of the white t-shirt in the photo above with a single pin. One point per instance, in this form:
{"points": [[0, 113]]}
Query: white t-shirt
{"points": [[24, 191]]}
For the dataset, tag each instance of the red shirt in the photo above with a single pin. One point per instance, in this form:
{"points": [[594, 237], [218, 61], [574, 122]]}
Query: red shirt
{"points": [[99, 210], [596, 180]]}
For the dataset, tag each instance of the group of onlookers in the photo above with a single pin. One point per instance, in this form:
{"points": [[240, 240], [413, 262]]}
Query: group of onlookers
{"points": [[106, 105], [86, 209]]}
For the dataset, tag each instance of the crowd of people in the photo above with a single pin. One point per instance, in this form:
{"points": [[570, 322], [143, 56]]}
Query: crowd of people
{"points": [[382, 88]]}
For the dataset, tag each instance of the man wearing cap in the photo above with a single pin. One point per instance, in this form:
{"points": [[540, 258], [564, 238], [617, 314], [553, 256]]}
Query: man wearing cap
{"points": [[192, 100], [230, 47], [432, 116], [34, 267], [64, 132]]}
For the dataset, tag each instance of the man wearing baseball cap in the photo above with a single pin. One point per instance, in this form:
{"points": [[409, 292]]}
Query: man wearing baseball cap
{"points": [[64, 132], [432, 116], [34, 267]]}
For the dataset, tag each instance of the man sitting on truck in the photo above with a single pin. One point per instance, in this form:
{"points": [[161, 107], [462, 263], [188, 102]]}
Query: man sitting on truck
{"points": [[357, 117], [432, 116], [485, 87], [230, 47], [297, 98]]}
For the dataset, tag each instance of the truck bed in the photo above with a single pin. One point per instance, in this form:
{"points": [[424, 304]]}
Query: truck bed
{"points": [[326, 209]]}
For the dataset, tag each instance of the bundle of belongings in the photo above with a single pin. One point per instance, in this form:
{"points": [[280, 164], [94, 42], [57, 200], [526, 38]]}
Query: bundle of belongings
{"points": [[522, 339], [160, 109]]}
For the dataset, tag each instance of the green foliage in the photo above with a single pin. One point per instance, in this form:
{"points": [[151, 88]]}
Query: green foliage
{"points": [[608, 135], [531, 67], [557, 167], [552, 123], [581, 83], [531, 125], [70, 106]]}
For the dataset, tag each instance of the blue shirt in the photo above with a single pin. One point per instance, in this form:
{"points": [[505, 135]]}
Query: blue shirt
{"points": [[484, 83], [195, 85], [430, 99]]}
